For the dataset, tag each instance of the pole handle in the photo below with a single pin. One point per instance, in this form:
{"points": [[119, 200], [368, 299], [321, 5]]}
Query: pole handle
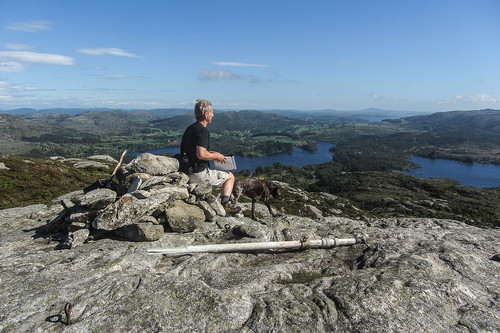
{"points": [[325, 243], [119, 163]]}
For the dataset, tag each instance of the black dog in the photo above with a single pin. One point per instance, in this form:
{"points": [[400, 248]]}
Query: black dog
{"points": [[255, 189]]}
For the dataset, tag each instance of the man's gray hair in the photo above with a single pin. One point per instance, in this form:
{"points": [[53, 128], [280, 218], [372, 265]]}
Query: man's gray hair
{"points": [[202, 106]]}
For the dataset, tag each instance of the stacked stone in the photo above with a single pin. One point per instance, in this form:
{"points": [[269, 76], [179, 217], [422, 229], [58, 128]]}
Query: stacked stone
{"points": [[151, 197]]}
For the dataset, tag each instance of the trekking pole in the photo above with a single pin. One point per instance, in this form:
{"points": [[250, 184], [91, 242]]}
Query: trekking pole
{"points": [[325, 243]]}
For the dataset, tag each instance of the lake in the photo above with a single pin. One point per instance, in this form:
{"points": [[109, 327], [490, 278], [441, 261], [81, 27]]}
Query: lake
{"points": [[299, 157], [477, 174]]}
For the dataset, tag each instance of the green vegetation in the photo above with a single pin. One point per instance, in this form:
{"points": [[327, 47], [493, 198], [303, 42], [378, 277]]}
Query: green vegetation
{"points": [[379, 194], [361, 174], [248, 133], [360, 146], [389, 194], [31, 180], [465, 136]]}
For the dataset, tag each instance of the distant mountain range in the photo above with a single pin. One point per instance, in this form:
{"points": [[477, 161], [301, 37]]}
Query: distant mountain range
{"points": [[33, 113], [68, 122], [106, 123], [370, 114]]}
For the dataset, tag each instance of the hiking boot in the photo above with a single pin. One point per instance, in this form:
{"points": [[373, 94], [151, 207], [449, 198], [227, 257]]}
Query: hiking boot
{"points": [[231, 210]]}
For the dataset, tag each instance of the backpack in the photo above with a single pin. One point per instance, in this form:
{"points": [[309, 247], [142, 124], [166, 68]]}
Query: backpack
{"points": [[183, 162]]}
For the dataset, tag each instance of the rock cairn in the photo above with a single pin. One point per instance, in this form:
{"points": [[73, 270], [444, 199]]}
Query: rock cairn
{"points": [[151, 197]]}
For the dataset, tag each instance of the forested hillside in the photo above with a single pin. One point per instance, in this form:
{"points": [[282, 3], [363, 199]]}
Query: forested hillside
{"points": [[362, 170], [484, 123], [466, 136]]}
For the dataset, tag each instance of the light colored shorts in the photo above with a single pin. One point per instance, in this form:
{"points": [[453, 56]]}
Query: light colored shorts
{"points": [[213, 177]]}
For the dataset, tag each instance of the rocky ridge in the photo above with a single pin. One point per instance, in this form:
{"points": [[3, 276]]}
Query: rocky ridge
{"points": [[90, 250]]}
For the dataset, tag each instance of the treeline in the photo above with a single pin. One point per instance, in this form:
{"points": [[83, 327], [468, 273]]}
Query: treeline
{"points": [[247, 147], [393, 194], [296, 176], [63, 138], [376, 153]]}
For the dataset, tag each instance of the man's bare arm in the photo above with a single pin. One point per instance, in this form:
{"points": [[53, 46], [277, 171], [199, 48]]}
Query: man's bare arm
{"points": [[203, 154]]}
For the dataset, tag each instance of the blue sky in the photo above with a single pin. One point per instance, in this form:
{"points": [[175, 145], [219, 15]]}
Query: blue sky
{"points": [[402, 55]]}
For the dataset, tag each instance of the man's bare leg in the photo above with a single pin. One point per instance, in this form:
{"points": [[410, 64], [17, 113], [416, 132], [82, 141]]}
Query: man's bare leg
{"points": [[226, 190], [227, 187]]}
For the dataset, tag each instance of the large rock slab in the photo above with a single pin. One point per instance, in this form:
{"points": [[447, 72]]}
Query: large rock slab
{"points": [[418, 275], [155, 165], [106, 158], [97, 199], [90, 164], [21, 212]]}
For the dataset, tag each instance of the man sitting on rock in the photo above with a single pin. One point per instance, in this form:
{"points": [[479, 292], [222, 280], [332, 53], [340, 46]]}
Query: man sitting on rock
{"points": [[196, 145]]}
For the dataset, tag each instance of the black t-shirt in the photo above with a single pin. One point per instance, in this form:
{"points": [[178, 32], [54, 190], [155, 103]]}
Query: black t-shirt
{"points": [[195, 135]]}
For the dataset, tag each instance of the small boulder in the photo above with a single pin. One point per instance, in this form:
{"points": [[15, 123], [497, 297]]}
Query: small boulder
{"points": [[178, 178], [69, 206], [155, 165], [182, 217], [80, 236], [82, 216], [251, 229], [315, 211], [216, 205], [210, 214], [154, 182], [74, 239], [127, 179], [201, 190], [123, 212]]}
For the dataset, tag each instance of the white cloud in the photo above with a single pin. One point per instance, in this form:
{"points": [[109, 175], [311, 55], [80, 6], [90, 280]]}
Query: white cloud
{"points": [[5, 98], [5, 94], [11, 66], [215, 75], [33, 26], [37, 58], [379, 98], [17, 47], [28, 88], [238, 64], [480, 99], [121, 76], [107, 51], [218, 75], [114, 76], [6, 87], [98, 68]]}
